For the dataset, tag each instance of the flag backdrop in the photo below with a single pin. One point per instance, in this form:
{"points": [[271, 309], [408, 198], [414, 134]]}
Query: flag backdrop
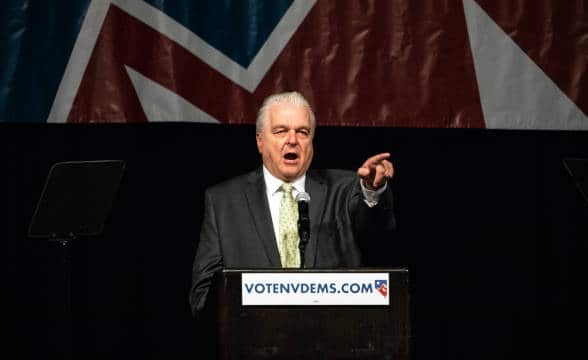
{"points": [[508, 64]]}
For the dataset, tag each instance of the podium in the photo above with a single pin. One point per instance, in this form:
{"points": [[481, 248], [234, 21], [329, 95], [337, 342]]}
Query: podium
{"points": [[258, 329]]}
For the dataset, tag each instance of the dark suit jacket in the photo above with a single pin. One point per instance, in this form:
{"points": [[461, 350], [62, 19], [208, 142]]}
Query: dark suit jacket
{"points": [[237, 230]]}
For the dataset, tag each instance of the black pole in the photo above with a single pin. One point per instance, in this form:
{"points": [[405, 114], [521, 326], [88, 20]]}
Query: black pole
{"points": [[66, 320]]}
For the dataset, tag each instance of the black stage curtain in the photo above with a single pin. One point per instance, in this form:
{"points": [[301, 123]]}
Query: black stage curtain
{"points": [[490, 225]]}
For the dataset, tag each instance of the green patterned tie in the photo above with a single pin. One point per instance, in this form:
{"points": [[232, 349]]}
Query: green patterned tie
{"points": [[289, 239]]}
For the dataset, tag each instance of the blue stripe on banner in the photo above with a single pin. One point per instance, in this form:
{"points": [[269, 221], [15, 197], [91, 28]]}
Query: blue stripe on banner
{"points": [[238, 29], [36, 40]]}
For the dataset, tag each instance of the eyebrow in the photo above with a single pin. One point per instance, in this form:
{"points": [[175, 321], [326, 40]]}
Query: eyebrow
{"points": [[283, 126]]}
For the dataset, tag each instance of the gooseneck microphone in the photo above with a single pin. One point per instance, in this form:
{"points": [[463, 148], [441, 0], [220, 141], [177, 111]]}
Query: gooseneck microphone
{"points": [[303, 199]]}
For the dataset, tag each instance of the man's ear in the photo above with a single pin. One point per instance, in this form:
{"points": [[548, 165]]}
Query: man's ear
{"points": [[259, 142]]}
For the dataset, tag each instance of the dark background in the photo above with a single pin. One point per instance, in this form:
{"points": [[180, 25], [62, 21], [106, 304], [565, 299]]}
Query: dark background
{"points": [[491, 227]]}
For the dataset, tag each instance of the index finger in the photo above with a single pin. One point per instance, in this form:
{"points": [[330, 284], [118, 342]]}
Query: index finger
{"points": [[376, 159]]}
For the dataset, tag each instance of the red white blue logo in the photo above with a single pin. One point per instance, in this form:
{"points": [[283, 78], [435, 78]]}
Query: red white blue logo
{"points": [[382, 287]]}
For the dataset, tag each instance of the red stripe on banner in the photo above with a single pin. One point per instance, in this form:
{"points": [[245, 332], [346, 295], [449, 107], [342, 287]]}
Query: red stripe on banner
{"points": [[384, 63], [106, 93]]}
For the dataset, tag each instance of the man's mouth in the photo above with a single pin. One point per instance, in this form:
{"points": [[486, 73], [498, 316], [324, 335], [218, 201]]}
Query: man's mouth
{"points": [[291, 156]]}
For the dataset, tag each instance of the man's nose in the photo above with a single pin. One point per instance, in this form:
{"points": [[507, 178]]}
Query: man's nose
{"points": [[292, 139]]}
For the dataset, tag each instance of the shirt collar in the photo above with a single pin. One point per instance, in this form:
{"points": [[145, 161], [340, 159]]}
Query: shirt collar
{"points": [[273, 184]]}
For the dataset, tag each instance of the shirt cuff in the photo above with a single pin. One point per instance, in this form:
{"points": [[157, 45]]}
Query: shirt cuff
{"points": [[371, 197]]}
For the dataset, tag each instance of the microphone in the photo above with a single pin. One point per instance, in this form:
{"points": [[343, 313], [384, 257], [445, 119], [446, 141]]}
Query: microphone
{"points": [[303, 199]]}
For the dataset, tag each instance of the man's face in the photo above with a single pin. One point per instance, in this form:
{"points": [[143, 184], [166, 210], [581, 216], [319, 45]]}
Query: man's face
{"points": [[285, 142]]}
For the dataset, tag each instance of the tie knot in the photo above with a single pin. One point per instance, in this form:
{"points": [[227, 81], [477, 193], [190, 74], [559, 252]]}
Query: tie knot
{"points": [[287, 188]]}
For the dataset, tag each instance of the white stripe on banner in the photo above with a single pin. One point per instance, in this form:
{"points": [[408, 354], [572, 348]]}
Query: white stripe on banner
{"points": [[78, 61], [160, 104], [515, 93]]}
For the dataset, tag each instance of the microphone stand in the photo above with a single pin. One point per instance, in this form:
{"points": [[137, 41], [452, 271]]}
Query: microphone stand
{"points": [[303, 229], [302, 246]]}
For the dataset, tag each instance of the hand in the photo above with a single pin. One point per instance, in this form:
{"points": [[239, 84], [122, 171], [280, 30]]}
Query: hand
{"points": [[375, 171]]}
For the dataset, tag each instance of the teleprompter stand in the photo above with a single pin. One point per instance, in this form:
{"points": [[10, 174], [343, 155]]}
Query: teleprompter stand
{"points": [[75, 202]]}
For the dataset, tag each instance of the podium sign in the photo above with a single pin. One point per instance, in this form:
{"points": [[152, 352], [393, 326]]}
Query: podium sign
{"points": [[314, 289], [302, 321]]}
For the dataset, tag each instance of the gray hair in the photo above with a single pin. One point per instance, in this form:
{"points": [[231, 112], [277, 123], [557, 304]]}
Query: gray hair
{"points": [[293, 98]]}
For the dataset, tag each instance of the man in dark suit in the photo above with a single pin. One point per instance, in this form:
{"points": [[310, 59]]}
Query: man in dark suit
{"points": [[248, 219]]}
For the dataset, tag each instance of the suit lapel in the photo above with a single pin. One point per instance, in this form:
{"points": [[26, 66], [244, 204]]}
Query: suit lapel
{"points": [[317, 189], [260, 213]]}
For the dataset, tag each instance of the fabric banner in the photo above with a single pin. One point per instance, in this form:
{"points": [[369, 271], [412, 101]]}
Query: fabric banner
{"points": [[499, 64]]}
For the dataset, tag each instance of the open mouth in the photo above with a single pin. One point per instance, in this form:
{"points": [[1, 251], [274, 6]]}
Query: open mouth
{"points": [[290, 156]]}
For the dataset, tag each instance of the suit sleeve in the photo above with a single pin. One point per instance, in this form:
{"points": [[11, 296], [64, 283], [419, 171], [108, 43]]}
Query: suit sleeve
{"points": [[208, 258], [369, 222]]}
